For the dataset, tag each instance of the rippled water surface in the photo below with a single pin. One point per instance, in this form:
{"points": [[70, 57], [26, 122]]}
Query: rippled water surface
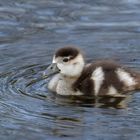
{"points": [[30, 31]]}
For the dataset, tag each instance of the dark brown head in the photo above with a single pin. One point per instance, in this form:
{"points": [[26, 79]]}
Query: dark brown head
{"points": [[70, 52], [69, 60]]}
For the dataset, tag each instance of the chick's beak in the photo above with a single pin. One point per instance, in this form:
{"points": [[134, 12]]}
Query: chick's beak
{"points": [[51, 70]]}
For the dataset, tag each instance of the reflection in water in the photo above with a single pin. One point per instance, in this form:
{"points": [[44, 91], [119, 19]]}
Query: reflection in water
{"points": [[30, 31]]}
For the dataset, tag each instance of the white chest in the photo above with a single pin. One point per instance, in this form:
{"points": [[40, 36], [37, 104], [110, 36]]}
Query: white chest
{"points": [[64, 87]]}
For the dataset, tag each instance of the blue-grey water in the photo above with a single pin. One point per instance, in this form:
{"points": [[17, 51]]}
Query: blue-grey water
{"points": [[30, 32]]}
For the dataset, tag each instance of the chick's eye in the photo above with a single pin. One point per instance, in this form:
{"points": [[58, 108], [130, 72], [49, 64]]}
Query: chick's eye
{"points": [[65, 60]]}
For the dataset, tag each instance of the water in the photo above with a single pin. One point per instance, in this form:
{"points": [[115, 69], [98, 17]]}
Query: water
{"points": [[30, 31]]}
